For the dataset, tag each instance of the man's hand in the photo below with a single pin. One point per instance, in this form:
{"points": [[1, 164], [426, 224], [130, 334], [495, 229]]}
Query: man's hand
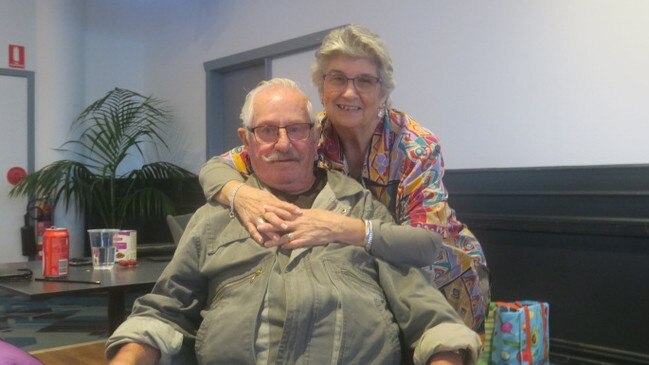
{"points": [[249, 204], [134, 353]]}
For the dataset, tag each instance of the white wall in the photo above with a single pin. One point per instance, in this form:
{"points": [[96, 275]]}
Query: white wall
{"points": [[114, 48], [539, 83], [503, 83], [52, 33], [17, 26]]}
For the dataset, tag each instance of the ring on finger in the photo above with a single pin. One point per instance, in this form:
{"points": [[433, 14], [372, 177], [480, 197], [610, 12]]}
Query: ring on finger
{"points": [[290, 237], [260, 221]]}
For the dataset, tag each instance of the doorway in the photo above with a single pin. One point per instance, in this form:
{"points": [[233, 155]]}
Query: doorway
{"points": [[16, 152], [231, 88], [229, 79]]}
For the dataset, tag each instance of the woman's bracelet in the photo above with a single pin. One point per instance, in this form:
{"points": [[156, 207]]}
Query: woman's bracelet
{"points": [[232, 196], [367, 242]]}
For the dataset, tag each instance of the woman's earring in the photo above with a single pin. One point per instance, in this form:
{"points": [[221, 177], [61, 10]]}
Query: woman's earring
{"points": [[382, 112]]}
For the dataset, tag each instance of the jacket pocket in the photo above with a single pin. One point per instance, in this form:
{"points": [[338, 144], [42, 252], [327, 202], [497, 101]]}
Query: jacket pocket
{"points": [[367, 318], [229, 320]]}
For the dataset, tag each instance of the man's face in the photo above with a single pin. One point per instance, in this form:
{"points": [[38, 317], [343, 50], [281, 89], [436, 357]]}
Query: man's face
{"points": [[285, 165]]}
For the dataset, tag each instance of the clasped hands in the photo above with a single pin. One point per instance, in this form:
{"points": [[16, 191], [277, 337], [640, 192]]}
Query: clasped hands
{"points": [[272, 222]]}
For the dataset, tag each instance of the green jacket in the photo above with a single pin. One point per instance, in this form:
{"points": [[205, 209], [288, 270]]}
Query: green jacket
{"points": [[341, 304]]}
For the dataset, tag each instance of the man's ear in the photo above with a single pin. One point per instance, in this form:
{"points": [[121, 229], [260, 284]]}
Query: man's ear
{"points": [[243, 133]]}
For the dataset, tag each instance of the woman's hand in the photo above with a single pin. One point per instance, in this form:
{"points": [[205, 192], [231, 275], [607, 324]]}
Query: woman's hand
{"points": [[250, 204], [318, 227]]}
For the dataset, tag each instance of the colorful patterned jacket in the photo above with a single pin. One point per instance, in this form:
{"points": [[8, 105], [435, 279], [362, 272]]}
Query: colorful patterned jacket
{"points": [[404, 170]]}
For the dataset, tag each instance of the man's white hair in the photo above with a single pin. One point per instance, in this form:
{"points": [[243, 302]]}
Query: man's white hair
{"points": [[247, 110]]}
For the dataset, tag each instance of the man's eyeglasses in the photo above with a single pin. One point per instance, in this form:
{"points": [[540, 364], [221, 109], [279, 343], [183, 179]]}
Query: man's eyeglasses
{"points": [[338, 81], [270, 133]]}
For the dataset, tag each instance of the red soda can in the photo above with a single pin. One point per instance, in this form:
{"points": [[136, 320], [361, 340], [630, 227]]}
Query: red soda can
{"points": [[56, 252]]}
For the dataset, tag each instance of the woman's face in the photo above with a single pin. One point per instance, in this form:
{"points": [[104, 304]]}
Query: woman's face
{"points": [[346, 107]]}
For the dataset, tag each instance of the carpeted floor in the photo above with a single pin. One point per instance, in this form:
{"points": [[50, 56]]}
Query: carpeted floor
{"points": [[40, 324]]}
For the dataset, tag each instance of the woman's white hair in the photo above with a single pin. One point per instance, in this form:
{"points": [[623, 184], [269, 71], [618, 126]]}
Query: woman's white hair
{"points": [[247, 111], [356, 42]]}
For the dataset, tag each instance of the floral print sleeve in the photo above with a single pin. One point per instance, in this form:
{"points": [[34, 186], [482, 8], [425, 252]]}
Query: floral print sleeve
{"points": [[422, 199], [232, 165]]}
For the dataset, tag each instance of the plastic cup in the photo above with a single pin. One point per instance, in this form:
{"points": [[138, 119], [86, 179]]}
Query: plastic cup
{"points": [[102, 247]]}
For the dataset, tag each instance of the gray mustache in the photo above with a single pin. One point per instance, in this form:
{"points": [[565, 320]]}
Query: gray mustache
{"points": [[276, 156]]}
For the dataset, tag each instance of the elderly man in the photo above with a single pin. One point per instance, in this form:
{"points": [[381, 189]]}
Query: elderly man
{"points": [[242, 303]]}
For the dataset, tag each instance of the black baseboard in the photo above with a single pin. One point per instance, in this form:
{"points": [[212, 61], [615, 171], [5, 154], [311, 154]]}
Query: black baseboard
{"points": [[570, 352], [576, 237]]}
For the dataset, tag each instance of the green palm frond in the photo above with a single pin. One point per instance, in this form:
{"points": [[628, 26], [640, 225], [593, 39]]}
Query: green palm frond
{"points": [[110, 130], [159, 170], [146, 202], [116, 125], [63, 180]]}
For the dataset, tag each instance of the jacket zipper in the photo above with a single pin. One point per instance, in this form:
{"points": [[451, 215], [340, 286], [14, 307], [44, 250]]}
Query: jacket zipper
{"points": [[250, 278]]}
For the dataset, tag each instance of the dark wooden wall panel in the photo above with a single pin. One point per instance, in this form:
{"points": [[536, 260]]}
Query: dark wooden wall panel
{"points": [[575, 237]]}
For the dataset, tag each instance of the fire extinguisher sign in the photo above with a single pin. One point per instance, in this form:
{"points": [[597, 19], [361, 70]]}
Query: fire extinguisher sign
{"points": [[16, 56]]}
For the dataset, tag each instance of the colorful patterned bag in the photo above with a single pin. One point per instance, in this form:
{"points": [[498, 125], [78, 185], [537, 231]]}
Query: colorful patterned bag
{"points": [[521, 333], [486, 340]]}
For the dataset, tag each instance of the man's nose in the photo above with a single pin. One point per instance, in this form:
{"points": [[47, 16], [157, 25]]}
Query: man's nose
{"points": [[283, 142]]}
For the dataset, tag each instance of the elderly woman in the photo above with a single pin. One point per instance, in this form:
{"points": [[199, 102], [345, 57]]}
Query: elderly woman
{"points": [[384, 149]]}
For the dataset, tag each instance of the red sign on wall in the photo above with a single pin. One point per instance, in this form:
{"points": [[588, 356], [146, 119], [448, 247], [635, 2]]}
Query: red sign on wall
{"points": [[16, 56]]}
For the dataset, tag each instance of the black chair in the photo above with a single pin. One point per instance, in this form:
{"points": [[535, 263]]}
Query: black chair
{"points": [[177, 224]]}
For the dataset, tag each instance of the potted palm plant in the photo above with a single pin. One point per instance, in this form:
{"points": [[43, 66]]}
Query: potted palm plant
{"points": [[111, 131]]}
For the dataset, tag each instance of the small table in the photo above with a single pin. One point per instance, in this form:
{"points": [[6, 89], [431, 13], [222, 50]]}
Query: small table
{"points": [[116, 282]]}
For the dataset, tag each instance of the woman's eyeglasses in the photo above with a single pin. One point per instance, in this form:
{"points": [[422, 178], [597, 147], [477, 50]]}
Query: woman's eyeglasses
{"points": [[338, 81], [270, 133]]}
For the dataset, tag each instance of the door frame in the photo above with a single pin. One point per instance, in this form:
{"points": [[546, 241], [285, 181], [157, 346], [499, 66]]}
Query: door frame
{"points": [[29, 75], [214, 70]]}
